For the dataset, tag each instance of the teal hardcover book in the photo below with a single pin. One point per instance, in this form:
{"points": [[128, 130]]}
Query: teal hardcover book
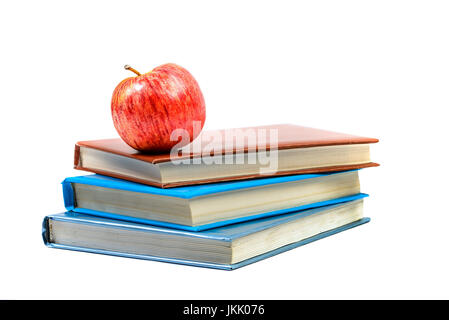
{"points": [[227, 247], [202, 207]]}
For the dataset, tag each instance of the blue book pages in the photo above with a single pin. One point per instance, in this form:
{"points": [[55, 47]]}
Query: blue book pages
{"points": [[190, 192], [227, 233]]}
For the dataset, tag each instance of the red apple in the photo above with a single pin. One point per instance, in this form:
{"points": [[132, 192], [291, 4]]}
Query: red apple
{"points": [[147, 108]]}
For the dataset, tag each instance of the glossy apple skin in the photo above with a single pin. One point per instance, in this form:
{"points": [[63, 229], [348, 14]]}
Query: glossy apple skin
{"points": [[147, 108]]}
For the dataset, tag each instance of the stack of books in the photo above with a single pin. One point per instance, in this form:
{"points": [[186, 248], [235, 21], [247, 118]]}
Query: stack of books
{"points": [[231, 198]]}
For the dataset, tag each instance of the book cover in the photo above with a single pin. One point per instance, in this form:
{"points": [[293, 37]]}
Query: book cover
{"points": [[225, 234], [191, 192], [288, 136]]}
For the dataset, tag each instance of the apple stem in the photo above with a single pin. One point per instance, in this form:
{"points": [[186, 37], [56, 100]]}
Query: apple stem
{"points": [[132, 69]]}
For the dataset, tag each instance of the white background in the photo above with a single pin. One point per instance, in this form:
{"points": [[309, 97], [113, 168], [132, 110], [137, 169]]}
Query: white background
{"points": [[371, 68]]}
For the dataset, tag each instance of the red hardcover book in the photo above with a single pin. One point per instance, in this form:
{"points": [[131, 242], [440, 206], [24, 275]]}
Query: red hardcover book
{"points": [[230, 154]]}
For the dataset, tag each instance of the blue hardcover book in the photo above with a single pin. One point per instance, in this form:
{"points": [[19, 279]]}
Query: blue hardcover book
{"points": [[228, 247], [202, 207]]}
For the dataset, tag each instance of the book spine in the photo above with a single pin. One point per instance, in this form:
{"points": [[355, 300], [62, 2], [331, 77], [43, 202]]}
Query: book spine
{"points": [[68, 195], [45, 231], [76, 162]]}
